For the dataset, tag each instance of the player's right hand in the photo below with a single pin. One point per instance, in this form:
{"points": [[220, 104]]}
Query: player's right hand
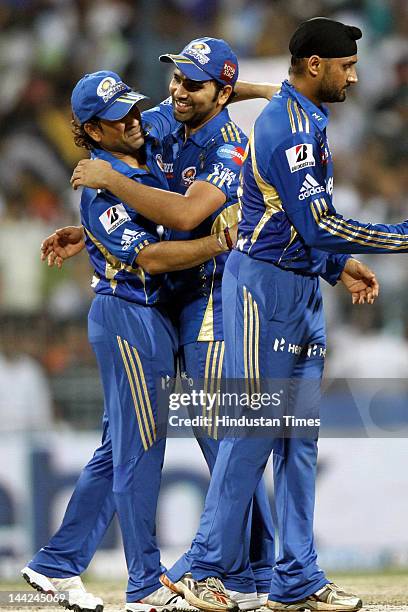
{"points": [[92, 173], [64, 243]]}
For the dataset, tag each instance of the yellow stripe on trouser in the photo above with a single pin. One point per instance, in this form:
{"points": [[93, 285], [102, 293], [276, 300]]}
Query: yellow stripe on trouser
{"points": [[212, 377], [246, 340], [251, 343], [133, 392], [219, 377], [139, 392], [207, 375], [146, 392], [256, 347]]}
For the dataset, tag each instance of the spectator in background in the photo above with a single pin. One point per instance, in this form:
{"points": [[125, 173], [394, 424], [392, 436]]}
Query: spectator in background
{"points": [[25, 399]]}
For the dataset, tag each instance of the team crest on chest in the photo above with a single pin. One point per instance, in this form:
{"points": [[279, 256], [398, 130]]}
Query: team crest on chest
{"points": [[188, 175]]}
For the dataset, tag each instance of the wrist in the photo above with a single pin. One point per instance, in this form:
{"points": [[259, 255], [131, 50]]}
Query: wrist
{"points": [[350, 264], [222, 242], [109, 178]]}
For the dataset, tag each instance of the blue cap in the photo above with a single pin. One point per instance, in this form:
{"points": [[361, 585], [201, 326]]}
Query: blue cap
{"points": [[104, 95], [205, 59]]}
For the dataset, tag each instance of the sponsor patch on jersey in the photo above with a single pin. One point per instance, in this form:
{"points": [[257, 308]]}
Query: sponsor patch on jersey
{"points": [[300, 156], [228, 71], [188, 175], [114, 217], [221, 175], [130, 236], [228, 151], [310, 187]]}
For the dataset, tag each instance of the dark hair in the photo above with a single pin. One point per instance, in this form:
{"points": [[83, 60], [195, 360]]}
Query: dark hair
{"points": [[218, 88], [297, 66], [81, 137]]}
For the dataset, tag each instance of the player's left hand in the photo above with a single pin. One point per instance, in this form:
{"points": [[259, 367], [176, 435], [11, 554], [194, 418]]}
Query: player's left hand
{"points": [[360, 281], [92, 173], [64, 243]]}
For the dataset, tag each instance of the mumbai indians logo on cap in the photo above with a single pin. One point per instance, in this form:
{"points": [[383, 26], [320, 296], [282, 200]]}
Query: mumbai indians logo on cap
{"points": [[108, 87], [199, 51]]}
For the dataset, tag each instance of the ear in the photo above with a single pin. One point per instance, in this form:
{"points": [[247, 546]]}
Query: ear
{"points": [[93, 130], [224, 94], [314, 65]]}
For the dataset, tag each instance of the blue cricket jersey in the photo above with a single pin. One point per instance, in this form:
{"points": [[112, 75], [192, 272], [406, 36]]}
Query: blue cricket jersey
{"points": [[213, 154], [288, 217], [115, 234]]}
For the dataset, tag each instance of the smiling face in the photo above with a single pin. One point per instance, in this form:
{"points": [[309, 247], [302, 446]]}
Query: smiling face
{"points": [[337, 76], [123, 137], [195, 102]]}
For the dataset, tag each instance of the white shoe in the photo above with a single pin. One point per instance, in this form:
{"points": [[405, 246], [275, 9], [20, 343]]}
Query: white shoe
{"points": [[161, 600], [263, 598], [245, 601], [75, 594]]}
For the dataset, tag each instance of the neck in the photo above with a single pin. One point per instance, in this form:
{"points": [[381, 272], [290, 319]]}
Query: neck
{"points": [[305, 88], [134, 160], [193, 128]]}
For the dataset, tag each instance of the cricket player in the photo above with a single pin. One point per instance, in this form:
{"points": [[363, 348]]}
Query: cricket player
{"points": [[52, 562], [271, 292], [135, 345], [205, 357], [202, 197]]}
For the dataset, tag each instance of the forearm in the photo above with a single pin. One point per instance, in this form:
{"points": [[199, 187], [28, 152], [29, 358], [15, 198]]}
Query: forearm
{"points": [[244, 90], [167, 208], [173, 255]]}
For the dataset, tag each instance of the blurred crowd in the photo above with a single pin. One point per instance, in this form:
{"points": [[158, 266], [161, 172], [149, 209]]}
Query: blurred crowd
{"points": [[46, 46]]}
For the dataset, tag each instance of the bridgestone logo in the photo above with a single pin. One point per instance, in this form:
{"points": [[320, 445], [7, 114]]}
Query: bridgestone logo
{"points": [[310, 187]]}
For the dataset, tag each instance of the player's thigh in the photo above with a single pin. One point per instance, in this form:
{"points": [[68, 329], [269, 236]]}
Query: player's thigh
{"points": [[132, 359], [202, 360], [202, 368], [261, 312]]}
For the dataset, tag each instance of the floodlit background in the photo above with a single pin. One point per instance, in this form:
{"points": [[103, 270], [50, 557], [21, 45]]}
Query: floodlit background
{"points": [[50, 396]]}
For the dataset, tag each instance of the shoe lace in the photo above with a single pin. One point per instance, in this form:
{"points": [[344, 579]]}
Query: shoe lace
{"points": [[215, 584], [335, 588]]}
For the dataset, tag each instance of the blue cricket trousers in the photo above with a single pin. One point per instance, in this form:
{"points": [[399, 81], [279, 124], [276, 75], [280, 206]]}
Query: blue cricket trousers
{"points": [[269, 312], [204, 362], [135, 346]]}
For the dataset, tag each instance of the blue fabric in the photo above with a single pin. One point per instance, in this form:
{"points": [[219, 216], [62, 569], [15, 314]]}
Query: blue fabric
{"points": [[135, 346], [206, 58], [252, 569], [115, 234], [74, 544], [214, 154], [289, 306], [288, 217]]}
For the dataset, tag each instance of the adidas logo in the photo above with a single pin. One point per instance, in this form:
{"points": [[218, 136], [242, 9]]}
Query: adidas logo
{"points": [[310, 187]]}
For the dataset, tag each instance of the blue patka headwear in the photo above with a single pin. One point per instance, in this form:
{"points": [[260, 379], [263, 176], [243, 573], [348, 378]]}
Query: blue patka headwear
{"points": [[205, 59], [104, 95]]}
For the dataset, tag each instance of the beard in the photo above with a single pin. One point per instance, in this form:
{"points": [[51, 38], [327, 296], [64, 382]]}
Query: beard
{"points": [[329, 92]]}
